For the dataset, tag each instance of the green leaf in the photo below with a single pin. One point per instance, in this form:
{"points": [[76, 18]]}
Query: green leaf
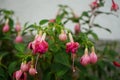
{"points": [[94, 35], [85, 13], [62, 58], [97, 25], [12, 67], [20, 47], [43, 21]]}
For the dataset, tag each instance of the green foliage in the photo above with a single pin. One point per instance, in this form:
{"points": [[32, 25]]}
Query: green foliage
{"points": [[56, 64]]}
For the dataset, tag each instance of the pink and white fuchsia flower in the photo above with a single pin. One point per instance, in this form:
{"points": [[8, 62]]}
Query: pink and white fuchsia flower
{"points": [[85, 59], [32, 71], [19, 75], [93, 56], [17, 27], [72, 46], [6, 27], [24, 67], [39, 45], [77, 28], [18, 39], [63, 36], [114, 6], [94, 5]]}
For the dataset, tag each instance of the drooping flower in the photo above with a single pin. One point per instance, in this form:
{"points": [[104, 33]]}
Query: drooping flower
{"points": [[77, 28], [31, 45], [94, 5], [24, 67], [85, 59], [18, 39], [19, 75], [39, 45], [114, 6], [32, 71], [17, 27], [72, 46], [93, 56], [6, 27], [63, 36], [52, 20]]}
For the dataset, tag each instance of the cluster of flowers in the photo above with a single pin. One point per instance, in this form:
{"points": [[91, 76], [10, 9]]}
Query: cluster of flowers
{"points": [[24, 68], [40, 46], [95, 4], [6, 28]]}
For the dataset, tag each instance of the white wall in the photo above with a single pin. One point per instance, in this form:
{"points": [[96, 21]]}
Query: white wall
{"points": [[35, 10]]}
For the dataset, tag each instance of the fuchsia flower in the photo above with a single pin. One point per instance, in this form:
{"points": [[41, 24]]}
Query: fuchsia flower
{"points": [[19, 39], [72, 47], [114, 6], [52, 20], [63, 36], [93, 56], [77, 28], [31, 45], [32, 71], [24, 67], [39, 45], [94, 5], [18, 27], [85, 59], [19, 75], [6, 27]]}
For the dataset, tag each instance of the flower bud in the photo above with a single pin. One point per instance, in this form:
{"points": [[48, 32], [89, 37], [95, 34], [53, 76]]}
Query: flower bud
{"points": [[24, 67], [93, 56], [32, 71], [63, 36], [19, 39], [85, 59], [6, 27]]}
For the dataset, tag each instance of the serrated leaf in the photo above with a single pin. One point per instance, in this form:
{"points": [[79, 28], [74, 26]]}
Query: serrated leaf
{"points": [[43, 21]]}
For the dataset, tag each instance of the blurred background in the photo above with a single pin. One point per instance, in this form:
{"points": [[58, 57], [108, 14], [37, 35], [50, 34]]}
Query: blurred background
{"points": [[34, 10]]}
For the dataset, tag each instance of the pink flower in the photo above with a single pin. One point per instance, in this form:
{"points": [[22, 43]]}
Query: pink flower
{"points": [[18, 27], [114, 6], [19, 75], [6, 28], [31, 45], [94, 5], [72, 47], [24, 67], [32, 71], [40, 47], [19, 39], [93, 56], [52, 20], [85, 59], [63, 36], [77, 28]]}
